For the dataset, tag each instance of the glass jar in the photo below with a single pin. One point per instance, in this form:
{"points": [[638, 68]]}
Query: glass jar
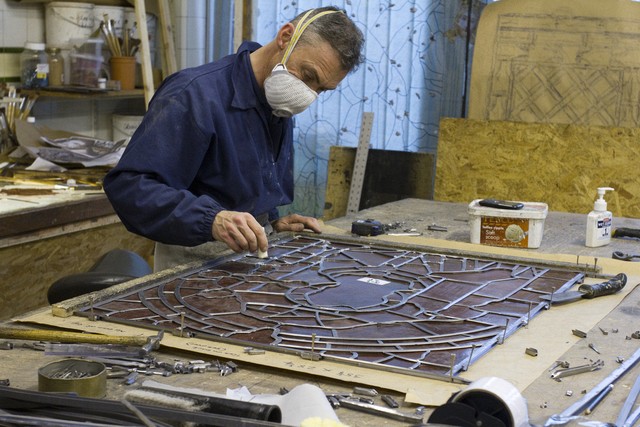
{"points": [[34, 66], [56, 67]]}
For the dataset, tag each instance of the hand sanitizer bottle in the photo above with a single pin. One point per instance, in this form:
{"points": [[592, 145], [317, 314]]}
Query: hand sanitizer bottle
{"points": [[599, 221]]}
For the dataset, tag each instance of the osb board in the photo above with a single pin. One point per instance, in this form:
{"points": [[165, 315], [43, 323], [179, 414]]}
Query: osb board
{"points": [[389, 176], [28, 269], [507, 361], [550, 61], [561, 165]]}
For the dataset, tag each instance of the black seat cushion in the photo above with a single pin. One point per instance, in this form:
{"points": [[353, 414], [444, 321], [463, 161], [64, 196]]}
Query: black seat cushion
{"points": [[114, 267]]}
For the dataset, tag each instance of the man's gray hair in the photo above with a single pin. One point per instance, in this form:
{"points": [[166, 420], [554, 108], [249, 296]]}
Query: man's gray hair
{"points": [[339, 31]]}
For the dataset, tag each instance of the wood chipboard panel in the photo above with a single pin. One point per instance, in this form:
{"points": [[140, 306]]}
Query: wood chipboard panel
{"points": [[389, 176], [561, 165], [30, 268], [550, 61]]}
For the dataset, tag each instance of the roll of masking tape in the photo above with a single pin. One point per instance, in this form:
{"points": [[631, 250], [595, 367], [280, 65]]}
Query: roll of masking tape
{"points": [[487, 401], [501, 394]]}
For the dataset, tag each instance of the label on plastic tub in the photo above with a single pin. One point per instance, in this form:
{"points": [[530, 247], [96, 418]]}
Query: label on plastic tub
{"points": [[498, 231], [515, 228]]}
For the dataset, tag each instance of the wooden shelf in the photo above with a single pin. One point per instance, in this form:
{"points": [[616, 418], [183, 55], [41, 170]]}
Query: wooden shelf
{"points": [[97, 2], [30, 220], [79, 93]]}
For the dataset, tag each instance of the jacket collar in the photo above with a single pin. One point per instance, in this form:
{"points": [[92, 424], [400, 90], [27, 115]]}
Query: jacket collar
{"points": [[246, 92]]}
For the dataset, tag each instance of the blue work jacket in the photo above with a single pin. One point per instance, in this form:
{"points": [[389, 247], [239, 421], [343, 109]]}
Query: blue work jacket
{"points": [[209, 142]]}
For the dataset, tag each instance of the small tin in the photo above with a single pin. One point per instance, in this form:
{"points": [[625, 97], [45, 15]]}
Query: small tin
{"points": [[84, 377]]}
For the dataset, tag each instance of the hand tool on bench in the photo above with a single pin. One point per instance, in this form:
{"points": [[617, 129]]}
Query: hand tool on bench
{"points": [[623, 256], [147, 343], [626, 232], [589, 291]]}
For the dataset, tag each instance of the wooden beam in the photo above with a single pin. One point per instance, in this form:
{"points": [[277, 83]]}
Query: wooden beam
{"points": [[247, 22], [145, 51], [238, 7], [168, 46]]}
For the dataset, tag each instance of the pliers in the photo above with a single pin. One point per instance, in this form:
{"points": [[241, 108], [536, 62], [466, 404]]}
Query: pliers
{"points": [[624, 256]]}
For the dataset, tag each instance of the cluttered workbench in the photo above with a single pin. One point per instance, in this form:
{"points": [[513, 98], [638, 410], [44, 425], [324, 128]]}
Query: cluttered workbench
{"points": [[49, 230], [600, 333]]}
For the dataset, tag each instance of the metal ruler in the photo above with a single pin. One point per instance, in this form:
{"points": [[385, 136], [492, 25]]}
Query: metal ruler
{"points": [[360, 164]]}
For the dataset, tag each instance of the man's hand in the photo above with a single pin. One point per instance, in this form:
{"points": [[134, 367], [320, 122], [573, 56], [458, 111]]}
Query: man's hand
{"points": [[240, 231], [296, 222]]}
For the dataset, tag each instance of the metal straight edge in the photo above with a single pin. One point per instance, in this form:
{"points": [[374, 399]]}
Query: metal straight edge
{"points": [[632, 419], [623, 416], [360, 163], [380, 411]]}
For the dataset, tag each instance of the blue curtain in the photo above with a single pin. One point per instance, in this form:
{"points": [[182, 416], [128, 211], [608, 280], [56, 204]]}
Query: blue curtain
{"points": [[417, 61]]}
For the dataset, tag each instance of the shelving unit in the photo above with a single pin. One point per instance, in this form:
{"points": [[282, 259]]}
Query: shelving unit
{"points": [[161, 9], [88, 94]]}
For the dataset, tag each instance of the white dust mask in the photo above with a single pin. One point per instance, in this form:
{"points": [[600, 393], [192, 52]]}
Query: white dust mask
{"points": [[286, 94]]}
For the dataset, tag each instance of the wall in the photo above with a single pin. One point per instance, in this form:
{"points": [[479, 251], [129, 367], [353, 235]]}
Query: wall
{"points": [[558, 164], [414, 73]]}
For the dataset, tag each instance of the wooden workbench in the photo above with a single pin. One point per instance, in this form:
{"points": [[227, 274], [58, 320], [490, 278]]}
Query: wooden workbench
{"points": [[564, 234], [46, 237]]}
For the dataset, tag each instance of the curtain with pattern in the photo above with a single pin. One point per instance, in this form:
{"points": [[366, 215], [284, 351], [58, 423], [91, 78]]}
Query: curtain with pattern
{"points": [[418, 56]]}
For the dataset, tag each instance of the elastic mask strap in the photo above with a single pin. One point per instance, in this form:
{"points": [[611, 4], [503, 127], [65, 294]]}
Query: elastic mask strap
{"points": [[300, 27]]}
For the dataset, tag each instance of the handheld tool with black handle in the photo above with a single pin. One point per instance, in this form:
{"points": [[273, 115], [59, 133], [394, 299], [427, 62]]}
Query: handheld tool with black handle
{"points": [[589, 291], [626, 232]]}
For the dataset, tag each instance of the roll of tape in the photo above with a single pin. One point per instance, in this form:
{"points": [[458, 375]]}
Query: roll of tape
{"points": [[497, 396]]}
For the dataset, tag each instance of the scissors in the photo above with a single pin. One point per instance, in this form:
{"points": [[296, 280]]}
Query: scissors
{"points": [[624, 256]]}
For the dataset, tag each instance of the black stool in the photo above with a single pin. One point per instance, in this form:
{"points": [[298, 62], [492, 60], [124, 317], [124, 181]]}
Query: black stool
{"points": [[114, 267]]}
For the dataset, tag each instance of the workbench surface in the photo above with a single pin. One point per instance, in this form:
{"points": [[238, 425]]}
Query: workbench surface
{"points": [[564, 234]]}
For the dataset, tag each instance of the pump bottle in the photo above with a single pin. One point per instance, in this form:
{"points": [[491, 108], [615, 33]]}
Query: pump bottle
{"points": [[599, 221]]}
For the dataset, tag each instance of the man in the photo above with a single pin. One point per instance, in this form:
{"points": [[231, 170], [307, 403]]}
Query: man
{"points": [[213, 157]]}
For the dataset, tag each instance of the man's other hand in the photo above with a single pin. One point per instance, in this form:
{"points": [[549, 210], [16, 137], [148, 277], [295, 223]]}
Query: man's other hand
{"points": [[296, 222], [239, 231]]}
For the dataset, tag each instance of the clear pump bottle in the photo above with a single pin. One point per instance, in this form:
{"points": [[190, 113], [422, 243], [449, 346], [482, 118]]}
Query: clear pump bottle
{"points": [[599, 221]]}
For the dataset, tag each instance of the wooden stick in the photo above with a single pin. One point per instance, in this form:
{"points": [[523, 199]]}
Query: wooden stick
{"points": [[68, 337], [125, 39], [105, 33], [27, 109], [115, 37]]}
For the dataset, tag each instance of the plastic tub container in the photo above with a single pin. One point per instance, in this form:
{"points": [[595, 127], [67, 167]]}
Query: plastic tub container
{"points": [[124, 126], [65, 21], [86, 62], [152, 24], [88, 46], [521, 228], [85, 69]]}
